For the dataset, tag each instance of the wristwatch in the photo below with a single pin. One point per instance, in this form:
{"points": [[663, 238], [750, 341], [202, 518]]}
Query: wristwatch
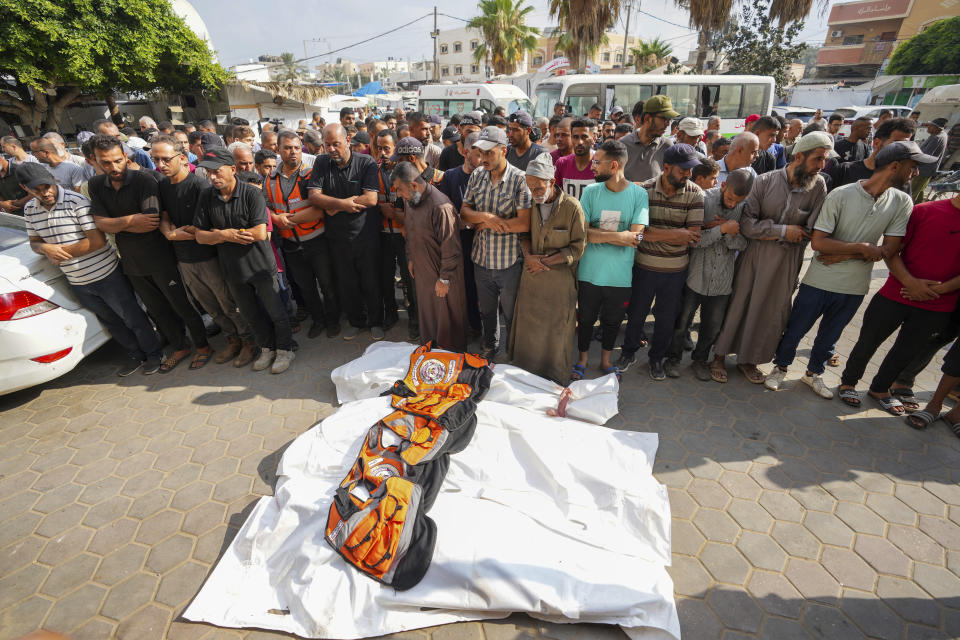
{"points": [[442, 281]]}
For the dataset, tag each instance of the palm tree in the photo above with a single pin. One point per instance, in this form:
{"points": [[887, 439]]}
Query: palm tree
{"points": [[586, 21], [289, 69], [710, 16], [569, 46], [506, 37], [651, 54]]}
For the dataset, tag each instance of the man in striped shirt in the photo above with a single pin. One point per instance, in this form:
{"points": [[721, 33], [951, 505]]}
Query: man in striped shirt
{"points": [[61, 228], [497, 205], [676, 215]]}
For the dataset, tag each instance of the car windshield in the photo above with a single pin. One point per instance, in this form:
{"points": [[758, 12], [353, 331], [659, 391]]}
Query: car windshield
{"points": [[521, 104], [546, 98], [12, 232], [846, 113]]}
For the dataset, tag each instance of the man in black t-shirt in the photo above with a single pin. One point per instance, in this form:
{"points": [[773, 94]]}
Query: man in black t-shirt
{"points": [[126, 203], [345, 185], [892, 130], [179, 192], [232, 215], [451, 157]]}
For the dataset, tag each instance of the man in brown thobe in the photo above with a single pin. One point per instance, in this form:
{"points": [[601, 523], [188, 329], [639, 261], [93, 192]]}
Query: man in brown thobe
{"points": [[778, 218], [434, 257], [545, 318]]}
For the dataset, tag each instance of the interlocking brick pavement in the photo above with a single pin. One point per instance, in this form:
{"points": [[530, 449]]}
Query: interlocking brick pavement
{"points": [[793, 517]]}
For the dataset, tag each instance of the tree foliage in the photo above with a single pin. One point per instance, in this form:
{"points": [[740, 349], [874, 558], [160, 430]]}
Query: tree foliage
{"points": [[587, 22], [935, 50], [757, 46], [650, 54], [506, 36], [59, 52], [289, 69]]}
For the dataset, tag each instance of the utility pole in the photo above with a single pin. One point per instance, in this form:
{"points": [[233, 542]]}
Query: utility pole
{"points": [[436, 37], [626, 37]]}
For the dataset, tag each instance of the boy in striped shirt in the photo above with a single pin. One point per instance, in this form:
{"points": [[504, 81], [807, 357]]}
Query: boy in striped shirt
{"points": [[61, 228]]}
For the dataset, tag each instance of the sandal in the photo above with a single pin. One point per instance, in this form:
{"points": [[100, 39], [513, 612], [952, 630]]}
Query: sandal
{"points": [[577, 373], [889, 404], [718, 373], [170, 363], [907, 398], [751, 373], [850, 397], [200, 359], [614, 370], [834, 361], [921, 419], [954, 426]]}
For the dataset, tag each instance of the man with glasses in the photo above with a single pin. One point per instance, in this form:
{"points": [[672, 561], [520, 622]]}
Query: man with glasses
{"points": [[179, 192], [646, 145]]}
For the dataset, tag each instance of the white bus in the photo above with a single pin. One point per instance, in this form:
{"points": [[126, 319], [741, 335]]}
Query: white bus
{"points": [[445, 100], [733, 98]]}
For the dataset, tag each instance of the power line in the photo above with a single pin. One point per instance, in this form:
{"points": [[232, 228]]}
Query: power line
{"points": [[355, 44], [656, 17]]}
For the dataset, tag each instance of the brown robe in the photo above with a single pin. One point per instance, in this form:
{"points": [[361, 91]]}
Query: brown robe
{"points": [[433, 248], [545, 316], [766, 272]]}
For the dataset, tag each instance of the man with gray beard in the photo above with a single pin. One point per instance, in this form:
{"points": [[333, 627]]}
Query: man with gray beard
{"points": [[778, 217]]}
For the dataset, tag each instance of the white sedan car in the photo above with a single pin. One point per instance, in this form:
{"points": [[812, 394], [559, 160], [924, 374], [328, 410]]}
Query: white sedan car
{"points": [[44, 332]]}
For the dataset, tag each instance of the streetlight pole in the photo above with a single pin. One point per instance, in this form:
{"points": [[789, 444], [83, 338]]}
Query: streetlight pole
{"points": [[626, 37], [436, 37]]}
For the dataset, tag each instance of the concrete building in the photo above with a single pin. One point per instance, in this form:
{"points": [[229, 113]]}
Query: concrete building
{"points": [[455, 49], [383, 67], [608, 57], [861, 35]]}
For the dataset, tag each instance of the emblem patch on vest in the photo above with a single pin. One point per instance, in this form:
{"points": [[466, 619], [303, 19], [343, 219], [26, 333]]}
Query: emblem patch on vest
{"points": [[432, 371]]}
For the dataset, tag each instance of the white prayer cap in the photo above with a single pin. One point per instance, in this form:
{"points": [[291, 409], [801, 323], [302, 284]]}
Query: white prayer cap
{"points": [[541, 167]]}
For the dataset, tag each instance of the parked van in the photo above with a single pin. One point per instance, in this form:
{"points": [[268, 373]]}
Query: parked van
{"points": [[942, 102], [445, 100]]}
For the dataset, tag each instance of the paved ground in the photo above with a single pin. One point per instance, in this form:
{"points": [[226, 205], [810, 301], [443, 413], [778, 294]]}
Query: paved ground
{"points": [[793, 517]]}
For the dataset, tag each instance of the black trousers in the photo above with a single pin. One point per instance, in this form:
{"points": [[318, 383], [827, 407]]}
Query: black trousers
{"points": [[357, 265], [470, 284], [937, 341], [881, 318], [165, 298], [259, 302], [609, 304], [310, 266], [712, 311], [667, 288], [393, 253]]}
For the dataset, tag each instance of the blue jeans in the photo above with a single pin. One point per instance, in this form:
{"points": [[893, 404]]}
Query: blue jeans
{"points": [[112, 300], [836, 309], [497, 288], [667, 288]]}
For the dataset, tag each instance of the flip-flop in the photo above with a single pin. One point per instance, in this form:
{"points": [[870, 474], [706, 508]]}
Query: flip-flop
{"points": [[577, 373], [907, 398], [753, 375], [718, 374], [850, 397], [614, 370], [170, 363], [920, 419], [834, 361], [888, 404], [200, 359], [954, 426]]}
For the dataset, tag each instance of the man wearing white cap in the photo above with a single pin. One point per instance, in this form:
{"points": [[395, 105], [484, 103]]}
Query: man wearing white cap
{"points": [[778, 217], [546, 312], [497, 204], [690, 132]]}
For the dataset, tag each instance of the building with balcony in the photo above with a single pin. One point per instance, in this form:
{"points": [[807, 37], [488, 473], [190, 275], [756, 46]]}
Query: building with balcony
{"points": [[455, 49], [861, 35]]}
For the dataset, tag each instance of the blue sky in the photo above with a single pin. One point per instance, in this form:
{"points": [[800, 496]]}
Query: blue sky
{"points": [[243, 29]]}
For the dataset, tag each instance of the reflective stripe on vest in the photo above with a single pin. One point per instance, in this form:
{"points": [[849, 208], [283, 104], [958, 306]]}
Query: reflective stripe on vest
{"points": [[297, 203]]}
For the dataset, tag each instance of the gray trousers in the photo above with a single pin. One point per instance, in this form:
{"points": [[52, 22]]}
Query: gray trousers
{"points": [[207, 285]]}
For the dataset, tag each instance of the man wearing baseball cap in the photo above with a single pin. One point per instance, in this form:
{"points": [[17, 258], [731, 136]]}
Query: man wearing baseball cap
{"points": [[450, 157], [232, 215], [690, 131], [853, 219], [660, 269], [60, 228], [778, 218], [497, 204], [522, 150], [936, 146], [646, 145]]}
